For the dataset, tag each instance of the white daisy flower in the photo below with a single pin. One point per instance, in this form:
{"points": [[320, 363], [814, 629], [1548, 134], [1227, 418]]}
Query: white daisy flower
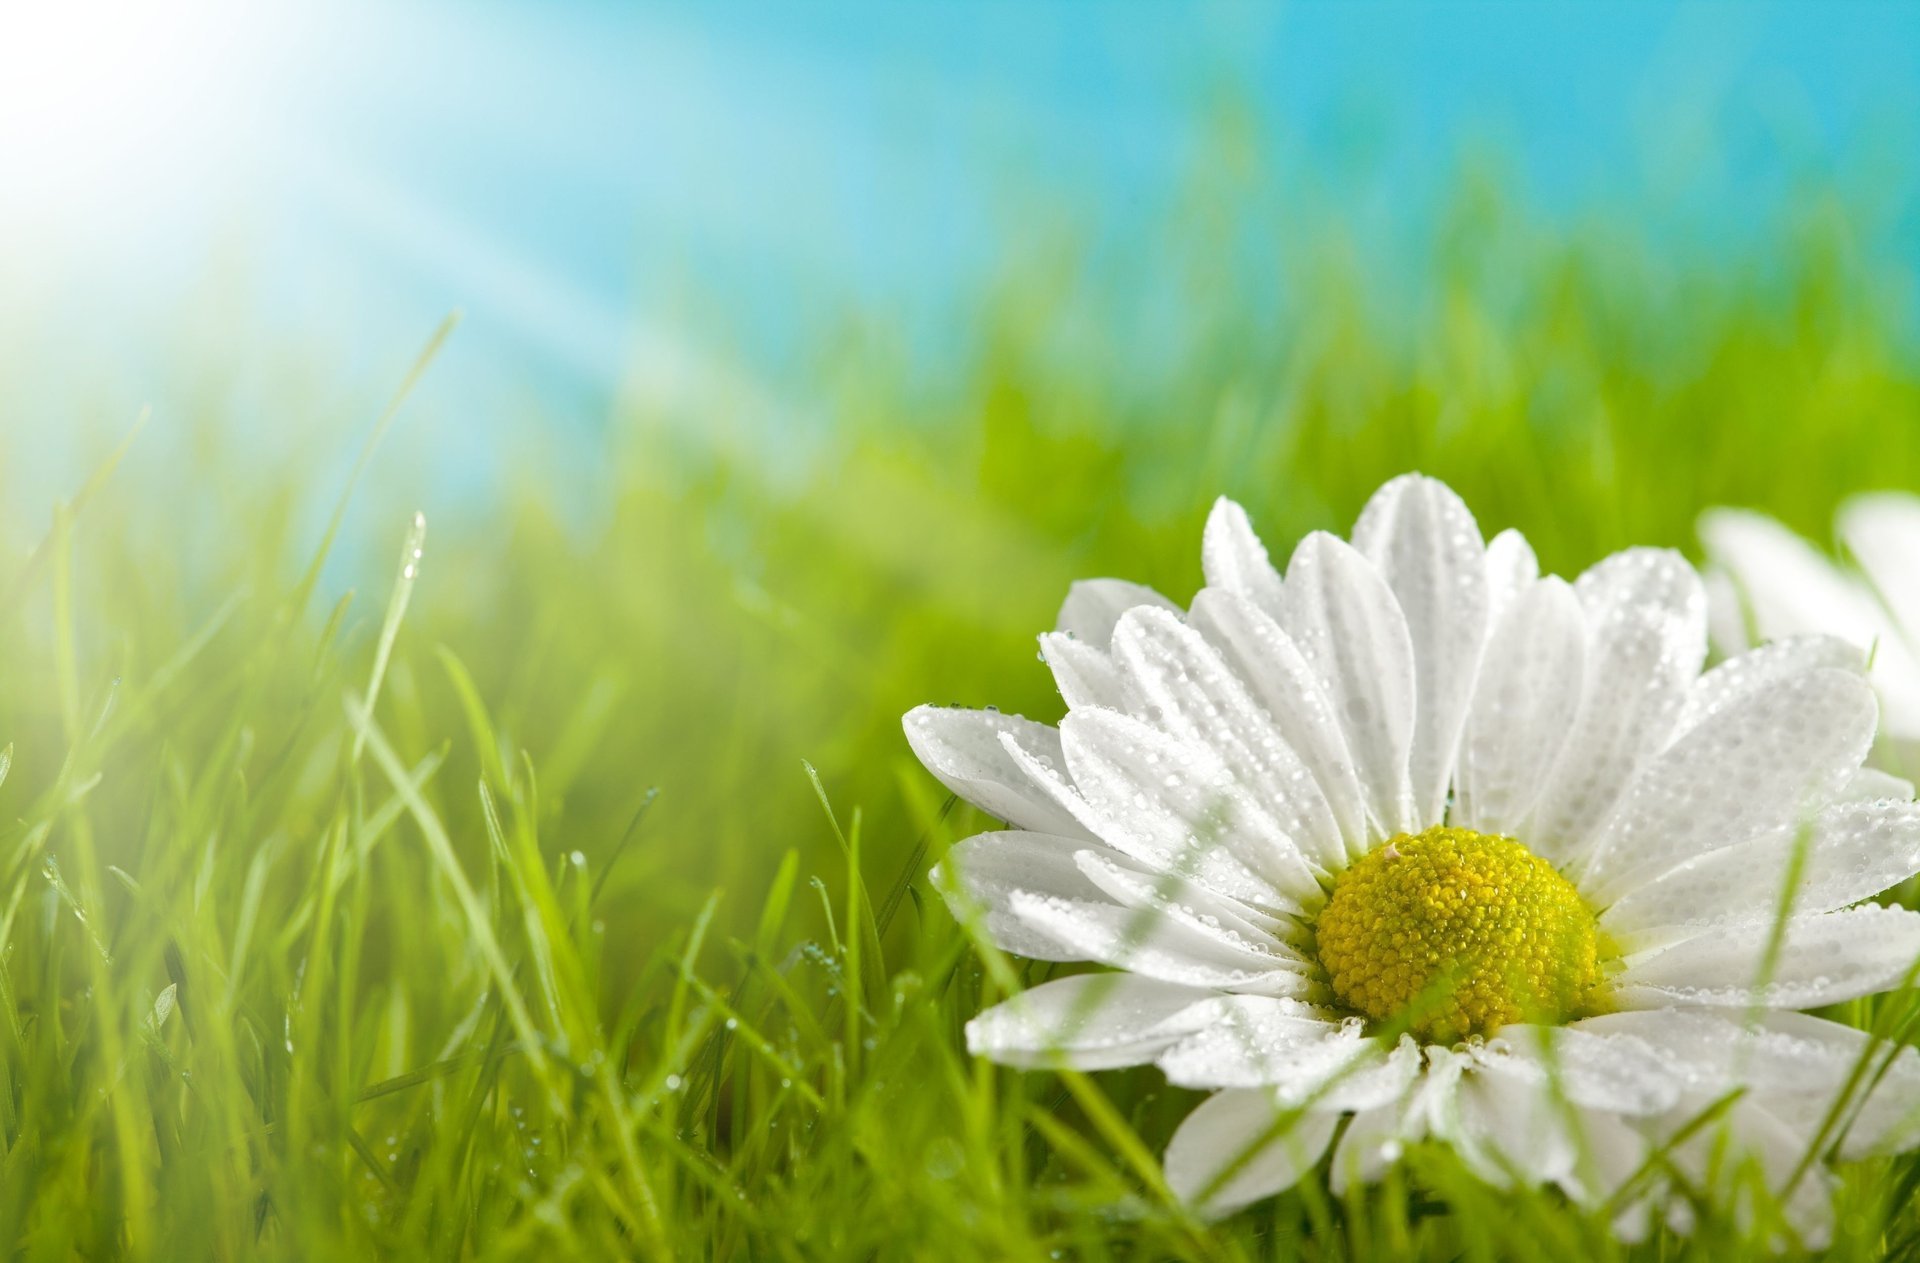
{"points": [[1767, 583], [1417, 844]]}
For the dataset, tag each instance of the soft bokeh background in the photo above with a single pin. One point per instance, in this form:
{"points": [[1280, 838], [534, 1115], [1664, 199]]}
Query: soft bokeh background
{"points": [[806, 355]]}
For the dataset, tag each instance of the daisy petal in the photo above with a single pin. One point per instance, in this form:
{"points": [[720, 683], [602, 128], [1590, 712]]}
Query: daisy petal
{"points": [[1088, 1022], [1794, 1064], [963, 749], [1093, 606], [1870, 784], [1185, 688], [1427, 547], [1726, 613], [1532, 1136], [1613, 1072], [1848, 852], [1758, 764], [1654, 581], [1431, 1106], [1262, 1041], [1307, 1060], [983, 872], [1883, 1113], [1823, 959], [1145, 942], [1746, 1142], [1883, 533], [1374, 1140], [1180, 800], [1238, 1147], [1647, 623], [1234, 560], [1531, 682], [1273, 668], [1084, 675], [1148, 837], [1130, 887], [1761, 668], [1511, 566], [1350, 630], [1790, 588]]}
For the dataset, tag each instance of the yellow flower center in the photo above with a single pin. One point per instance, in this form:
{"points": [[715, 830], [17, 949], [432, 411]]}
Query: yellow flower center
{"points": [[1459, 933]]}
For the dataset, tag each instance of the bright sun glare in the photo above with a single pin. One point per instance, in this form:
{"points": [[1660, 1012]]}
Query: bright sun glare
{"points": [[117, 112]]}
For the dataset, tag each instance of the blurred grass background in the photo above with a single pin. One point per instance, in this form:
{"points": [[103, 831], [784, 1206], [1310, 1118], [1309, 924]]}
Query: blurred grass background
{"points": [[558, 948], [473, 992]]}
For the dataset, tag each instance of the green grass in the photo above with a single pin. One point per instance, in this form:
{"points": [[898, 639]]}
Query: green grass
{"points": [[317, 950]]}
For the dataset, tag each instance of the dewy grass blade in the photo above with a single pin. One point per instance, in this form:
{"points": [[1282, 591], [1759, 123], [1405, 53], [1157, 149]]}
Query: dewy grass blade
{"points": [[303, 590], [403, 581]]}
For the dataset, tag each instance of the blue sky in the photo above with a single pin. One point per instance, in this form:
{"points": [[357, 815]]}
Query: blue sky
{"points": [[579, 178], [578, 163]]}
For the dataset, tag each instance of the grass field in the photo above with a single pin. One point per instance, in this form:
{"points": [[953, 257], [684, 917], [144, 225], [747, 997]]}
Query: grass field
{"points": [[566, 896]]}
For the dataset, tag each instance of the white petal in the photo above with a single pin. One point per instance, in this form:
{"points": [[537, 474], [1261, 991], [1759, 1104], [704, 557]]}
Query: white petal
{"points": [[1615, 1072], [1262, 1041], [1614, 1153], [1146, 942], [1373, 1141], [1084, 675], [1520, 1129], [1883, 533], [1870, 784], [1089, 1022], [1765, 667], [1132, 887], [963, 749], [1351, 632], [1511, 566], [1896, 674], [1646, 624], [1427, 547], [1179, 801], [1722, 1159], [1882, 1115], [1824, 959], [1093, 606], [1763, 762], [1848, 852], [1184, 687], [1648, 581], [1309, 1061], [1530, 685], [1233, 558], [989, 867], [1141, 831], [1726, 613], [1273, 668], [1246, 1133], [1439, 1105], [1795, 1065], [1533, 1126], [1791, 589]]}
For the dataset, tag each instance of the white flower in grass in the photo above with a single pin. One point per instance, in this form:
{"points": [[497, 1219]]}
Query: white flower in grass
{"points": [[1417, 843], [1765, 583]]}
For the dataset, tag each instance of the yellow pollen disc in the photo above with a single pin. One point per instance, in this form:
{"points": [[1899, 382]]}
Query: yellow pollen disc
{"points": [[1462, 933]]}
